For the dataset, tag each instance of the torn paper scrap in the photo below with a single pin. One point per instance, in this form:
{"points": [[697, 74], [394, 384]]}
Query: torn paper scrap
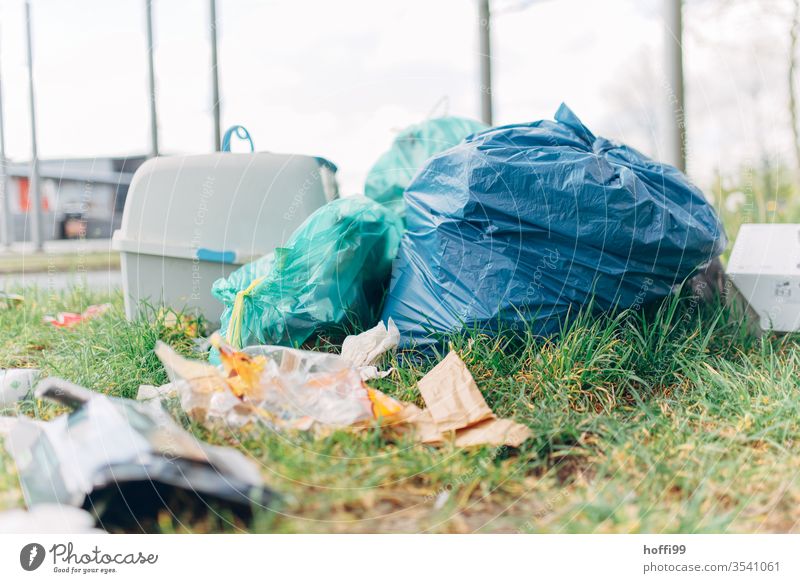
{"points": [[452, 396], [455, 404], [420, 420], [493, 432]]}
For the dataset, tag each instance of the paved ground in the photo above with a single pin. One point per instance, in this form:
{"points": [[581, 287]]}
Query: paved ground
{"points": [[59, 247], [95, 280], [61, 276]]}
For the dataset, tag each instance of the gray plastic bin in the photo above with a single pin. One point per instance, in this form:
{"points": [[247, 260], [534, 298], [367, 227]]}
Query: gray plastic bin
{"points": [[189, 220]]}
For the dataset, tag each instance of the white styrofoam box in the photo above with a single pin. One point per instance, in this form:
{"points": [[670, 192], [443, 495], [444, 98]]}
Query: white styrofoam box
{"points": [[189, 220], [765, 268]]}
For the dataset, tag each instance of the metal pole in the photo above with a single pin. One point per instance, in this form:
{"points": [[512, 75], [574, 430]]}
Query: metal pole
{"points": [[485, 56], [673, 20], [8, 225], [151, 80], [33, 185], [215, 77]]}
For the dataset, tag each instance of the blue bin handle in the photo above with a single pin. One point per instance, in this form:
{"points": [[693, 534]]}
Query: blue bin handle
{"points": [[241, 133]]}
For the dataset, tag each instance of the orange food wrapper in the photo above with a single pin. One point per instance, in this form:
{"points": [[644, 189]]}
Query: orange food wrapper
{"points": [[383, 406]]}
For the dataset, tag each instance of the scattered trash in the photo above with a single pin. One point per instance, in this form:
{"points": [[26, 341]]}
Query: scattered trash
{"points": [[412, 147], [366, 349], [48, 519], [125, 460], [284, 388], [15, 383], [70, 319], [522, 225], [287, 389], [455, 404], [332, 274]]}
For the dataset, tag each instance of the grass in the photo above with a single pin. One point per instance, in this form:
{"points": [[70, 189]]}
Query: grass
{"points": [[669, 419]]}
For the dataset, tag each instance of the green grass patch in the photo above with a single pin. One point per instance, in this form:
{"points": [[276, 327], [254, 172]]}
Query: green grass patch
{"points": [[670, 419]]}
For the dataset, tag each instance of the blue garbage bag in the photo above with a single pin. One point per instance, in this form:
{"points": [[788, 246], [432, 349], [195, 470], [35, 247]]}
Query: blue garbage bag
{"points": [[522, 225], [389, 176]]}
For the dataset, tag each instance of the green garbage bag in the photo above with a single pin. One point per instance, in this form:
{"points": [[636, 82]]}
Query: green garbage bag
{"points": [[388, 178], [330, 278]]}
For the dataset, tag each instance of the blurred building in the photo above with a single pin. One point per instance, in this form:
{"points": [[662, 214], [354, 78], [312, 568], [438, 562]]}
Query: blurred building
{"points": [[80, 197]]}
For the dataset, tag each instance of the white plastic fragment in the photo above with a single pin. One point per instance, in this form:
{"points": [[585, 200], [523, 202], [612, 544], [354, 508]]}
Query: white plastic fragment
{"points": [[365, 350], [15, 383]]}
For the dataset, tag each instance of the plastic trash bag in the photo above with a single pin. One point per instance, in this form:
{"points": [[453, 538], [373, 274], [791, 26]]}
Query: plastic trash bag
{"points": [[15, 384], [331, 276], [524, 224], [393, 171], [125, 461], [284, 388]]}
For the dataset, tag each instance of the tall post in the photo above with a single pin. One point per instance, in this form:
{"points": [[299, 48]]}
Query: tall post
{"points": [[215, 77], [7, 224], [673, 20], [151, 78], [33, 184], [485, 56]]}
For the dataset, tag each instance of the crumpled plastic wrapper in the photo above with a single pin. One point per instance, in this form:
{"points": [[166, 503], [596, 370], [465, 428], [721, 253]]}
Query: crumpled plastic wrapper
{"points": [[284, 388], [15, 384], [297, 389], [125, 460]]}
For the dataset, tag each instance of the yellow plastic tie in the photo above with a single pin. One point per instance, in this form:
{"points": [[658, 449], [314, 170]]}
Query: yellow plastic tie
{"points": [[234, 335]]}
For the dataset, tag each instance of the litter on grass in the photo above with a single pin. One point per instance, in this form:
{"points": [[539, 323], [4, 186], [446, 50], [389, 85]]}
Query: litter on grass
{"points": [[125, 461], [15, 383], [365, 350], [457, 408], [70, 319], [290, 389], [284, 388]]}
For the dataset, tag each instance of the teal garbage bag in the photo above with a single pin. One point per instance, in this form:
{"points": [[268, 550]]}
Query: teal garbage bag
{"points": [[331, 277], [393, 171]]}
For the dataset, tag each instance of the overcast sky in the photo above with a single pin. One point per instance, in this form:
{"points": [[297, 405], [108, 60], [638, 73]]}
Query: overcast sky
{"points": [[339, 78]]}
